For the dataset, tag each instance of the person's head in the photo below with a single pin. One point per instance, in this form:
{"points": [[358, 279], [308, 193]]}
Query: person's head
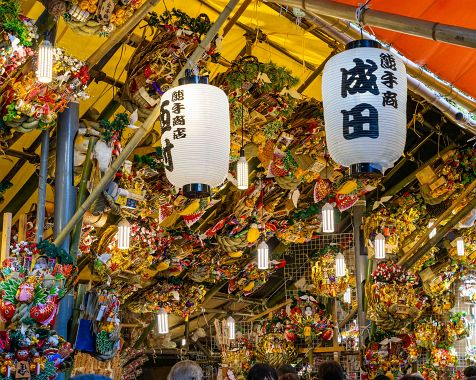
{"points": [[470, 372], [90, 377], [287, 372], [331, 370], [262, 372], [289, 376], [381, 377], [185, 370], [411, 377]]}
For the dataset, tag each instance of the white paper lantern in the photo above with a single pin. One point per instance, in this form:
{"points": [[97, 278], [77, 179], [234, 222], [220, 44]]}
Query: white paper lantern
{"points": [[195, 124], [379, 246], [184, 342], [340, 265], [242, 172], [44, 72], [348, 295], [230, 322], [163, 321], [364, 93], [263, 255], [123, 234], [328, 218], [460, 246]]}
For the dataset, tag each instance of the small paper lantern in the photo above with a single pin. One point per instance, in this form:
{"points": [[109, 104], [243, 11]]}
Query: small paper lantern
{"points": [[263, 255], [195, 125], [348, 295], [432, 232], [123, 234], [328, 218], [379, 245], [242, 171], [230, 322], [340, 265], [163, 321], [460, 246], [44, 73], [184, 342], [364, 94]]}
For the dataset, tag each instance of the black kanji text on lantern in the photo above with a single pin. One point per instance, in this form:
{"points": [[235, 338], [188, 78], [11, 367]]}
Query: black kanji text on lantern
{"points": [[360, 121], [359, 79]]}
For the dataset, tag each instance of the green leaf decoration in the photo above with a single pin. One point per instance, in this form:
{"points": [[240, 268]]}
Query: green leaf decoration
{"points": [[40, 296], [47, 373], [10, 289]]}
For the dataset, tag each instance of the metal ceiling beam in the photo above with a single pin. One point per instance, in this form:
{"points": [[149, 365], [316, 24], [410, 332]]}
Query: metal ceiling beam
{"points": [[431, 30]]}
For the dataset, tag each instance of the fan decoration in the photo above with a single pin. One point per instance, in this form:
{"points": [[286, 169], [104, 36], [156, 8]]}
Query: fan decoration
{"points": [[34, 279], [323, 276], [393, 355], [394, 299], [310, 319], [29, 105], [155, 64], [93, 17], [275, 350]]}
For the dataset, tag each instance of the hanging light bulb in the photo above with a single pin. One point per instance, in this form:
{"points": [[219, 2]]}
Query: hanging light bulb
{"points": [[123, 234], [242, 171], [432, 233], [184, 342], [45, 62], [460, 246], [163, 321], [263, 255], [340, 265], [230, 322], [327, 218], [348, 295], [379, 245]]}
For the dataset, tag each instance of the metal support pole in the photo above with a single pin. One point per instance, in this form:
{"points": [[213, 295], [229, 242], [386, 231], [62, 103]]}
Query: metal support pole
{"points": [[40, 208], [455, 35], [65, 198], [361, 263]]}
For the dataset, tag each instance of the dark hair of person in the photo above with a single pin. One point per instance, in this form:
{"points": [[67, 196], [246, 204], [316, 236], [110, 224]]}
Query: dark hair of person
{"points": [[410, 377], [262, 372], [381, 377], [470, 371], [284, 369], [289, 376], [331, 370]]}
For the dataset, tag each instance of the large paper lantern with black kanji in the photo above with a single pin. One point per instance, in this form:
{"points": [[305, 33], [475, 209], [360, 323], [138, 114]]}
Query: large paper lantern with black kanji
{"points": [[364, 93], [195, 126]]}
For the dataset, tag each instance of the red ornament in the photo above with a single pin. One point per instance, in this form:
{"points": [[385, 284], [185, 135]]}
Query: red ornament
{"points": [[7, 310]]}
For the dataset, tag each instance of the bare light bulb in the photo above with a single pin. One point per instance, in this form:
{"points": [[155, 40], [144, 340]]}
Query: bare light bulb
{"points": [[184, 342], [327, 218], [460, 246], [348, 295], [340, 265], [432, 233], [123, 234], [242, 171], [230, 322], [263, 255], [163, 321], [45, 62], [379, 245]]}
